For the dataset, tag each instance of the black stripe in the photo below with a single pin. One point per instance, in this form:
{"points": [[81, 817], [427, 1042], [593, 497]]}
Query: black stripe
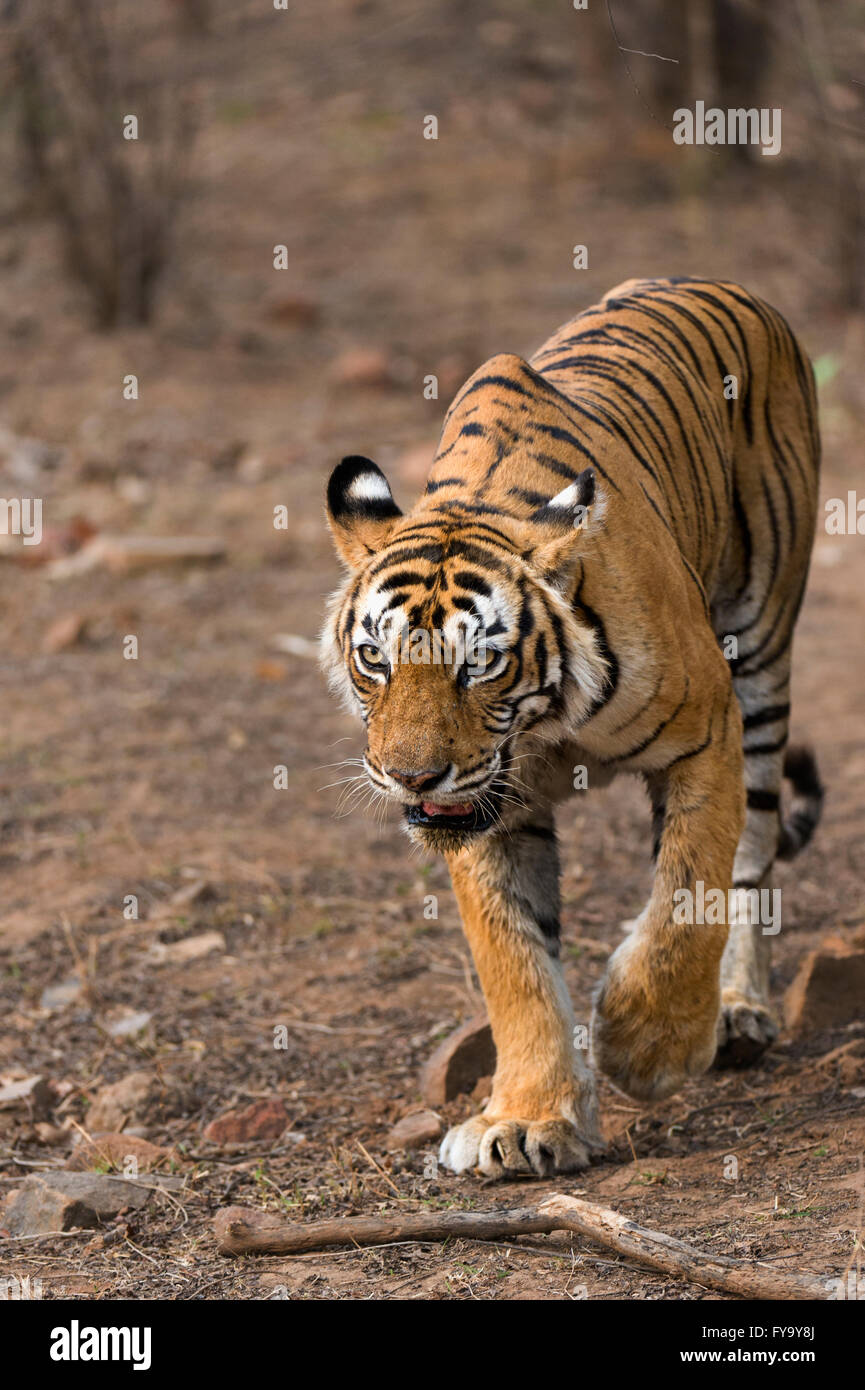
{"points": [[765, 716], [443, 482], [612, 679], [774, 747], [473, 582]]}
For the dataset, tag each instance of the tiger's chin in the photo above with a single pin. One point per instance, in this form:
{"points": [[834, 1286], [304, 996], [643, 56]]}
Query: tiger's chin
{"points": [[446, 829]]}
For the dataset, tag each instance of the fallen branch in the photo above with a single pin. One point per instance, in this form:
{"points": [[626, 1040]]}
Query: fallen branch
{"points": [[241, 1231]]}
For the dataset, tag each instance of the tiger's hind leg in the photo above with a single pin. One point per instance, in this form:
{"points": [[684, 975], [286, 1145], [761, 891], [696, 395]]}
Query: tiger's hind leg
{"points": [[747, 1025], [775, 469]]}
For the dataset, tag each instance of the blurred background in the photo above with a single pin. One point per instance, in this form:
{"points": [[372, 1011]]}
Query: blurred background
{"points": [[279, 260]]}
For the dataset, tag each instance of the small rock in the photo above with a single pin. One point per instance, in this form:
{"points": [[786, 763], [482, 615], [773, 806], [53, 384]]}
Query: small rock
{"points": [[368, 367], [828, 989], [190, 948], [64, 632], [262, 1121], [104, 1152], [414, 1130], [35, 1093], [459, 1062], [61, 1201], [49, 1134], [294, 310], [58, 996], [126, 1024], [128, 1099]]}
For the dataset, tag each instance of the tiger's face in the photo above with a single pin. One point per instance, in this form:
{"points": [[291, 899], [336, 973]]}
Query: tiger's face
{"points": [[454, 640]]}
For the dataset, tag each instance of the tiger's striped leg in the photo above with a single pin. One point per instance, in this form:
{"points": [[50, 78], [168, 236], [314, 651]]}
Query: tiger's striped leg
{"points": [[747, 1025], [542, 1114], [657, 1008]]}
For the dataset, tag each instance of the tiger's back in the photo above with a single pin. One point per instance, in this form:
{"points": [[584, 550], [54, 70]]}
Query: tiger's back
{"points": [[689, 397], [695, 405]]}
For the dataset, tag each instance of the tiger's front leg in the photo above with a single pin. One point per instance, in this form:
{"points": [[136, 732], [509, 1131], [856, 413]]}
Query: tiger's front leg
{"points": [[657, 1008], [542, 1115]]}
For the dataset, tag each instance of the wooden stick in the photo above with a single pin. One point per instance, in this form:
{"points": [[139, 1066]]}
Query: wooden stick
{"points": [[668, 1255], [240, 1233]]}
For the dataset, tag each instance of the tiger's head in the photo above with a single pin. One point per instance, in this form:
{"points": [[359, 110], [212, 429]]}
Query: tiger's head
{"points": [[455, 640]]}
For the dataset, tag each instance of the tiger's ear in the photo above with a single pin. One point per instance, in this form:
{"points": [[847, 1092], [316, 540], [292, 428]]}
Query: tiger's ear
{"points": [[566, 517], [361, 511]]}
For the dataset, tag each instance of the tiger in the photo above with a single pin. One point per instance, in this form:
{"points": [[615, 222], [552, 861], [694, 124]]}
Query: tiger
{"points": [[613, 545]]}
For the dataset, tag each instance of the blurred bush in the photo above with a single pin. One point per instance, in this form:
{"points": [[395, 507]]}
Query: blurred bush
{"points": [[88, 82]]}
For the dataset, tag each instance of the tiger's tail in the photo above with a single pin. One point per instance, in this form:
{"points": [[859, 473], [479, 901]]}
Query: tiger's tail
{"points": [[800, 769]]}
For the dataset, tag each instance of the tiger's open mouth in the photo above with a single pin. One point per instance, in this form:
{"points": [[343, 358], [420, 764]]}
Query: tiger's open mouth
{"points": [[459, 815]]}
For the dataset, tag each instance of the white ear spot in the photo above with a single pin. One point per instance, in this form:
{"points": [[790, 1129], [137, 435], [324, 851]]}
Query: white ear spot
{"points": [[571, 502], [369, 487], [566, 499]]}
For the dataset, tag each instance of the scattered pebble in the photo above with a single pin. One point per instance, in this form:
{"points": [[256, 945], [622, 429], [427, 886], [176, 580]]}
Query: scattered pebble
{"points": [[415, 1130], [459, 1062]]}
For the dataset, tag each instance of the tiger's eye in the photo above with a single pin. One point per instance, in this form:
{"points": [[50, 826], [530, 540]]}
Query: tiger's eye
{"points": [[372, 656]]}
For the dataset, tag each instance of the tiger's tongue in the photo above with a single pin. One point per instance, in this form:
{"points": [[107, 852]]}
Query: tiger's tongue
{"points": [[460, 808]]}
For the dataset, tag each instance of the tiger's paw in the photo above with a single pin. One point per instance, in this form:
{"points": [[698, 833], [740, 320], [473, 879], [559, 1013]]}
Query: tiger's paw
{"points": [[746, 1029], [504, 1148], [648, 1051]]}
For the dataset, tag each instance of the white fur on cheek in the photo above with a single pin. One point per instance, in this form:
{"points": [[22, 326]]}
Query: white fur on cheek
{"points": [[331, 658]]}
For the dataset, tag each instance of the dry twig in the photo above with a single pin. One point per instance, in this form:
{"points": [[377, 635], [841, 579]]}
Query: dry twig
{"points": [[237, 1235]]}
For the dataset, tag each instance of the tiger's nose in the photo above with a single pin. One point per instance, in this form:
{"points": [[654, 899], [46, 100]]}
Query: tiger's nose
{"points": [[418, 781]]}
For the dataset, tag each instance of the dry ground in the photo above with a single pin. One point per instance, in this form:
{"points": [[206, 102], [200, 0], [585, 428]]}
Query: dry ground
{"points": [[135, 777]]}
